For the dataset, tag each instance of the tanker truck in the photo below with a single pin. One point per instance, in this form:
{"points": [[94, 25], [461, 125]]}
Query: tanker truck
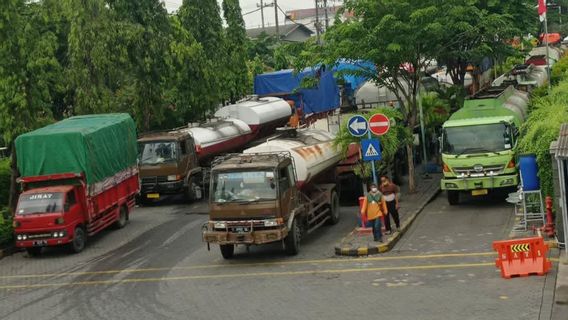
{"points": [[278, 191], [478, 143], [176, 161]]}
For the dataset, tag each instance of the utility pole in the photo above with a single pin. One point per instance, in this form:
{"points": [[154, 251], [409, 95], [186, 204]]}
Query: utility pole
{"points": [[317, 24], [262, 12], [276, 18], [326, 15]]}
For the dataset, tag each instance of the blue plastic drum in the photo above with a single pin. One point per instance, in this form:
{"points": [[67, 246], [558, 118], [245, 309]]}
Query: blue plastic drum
{"points": [[529, 172]]}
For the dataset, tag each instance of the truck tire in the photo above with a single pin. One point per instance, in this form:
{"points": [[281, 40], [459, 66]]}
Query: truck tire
{"points": [[193, 192], [122, 219], [34, 251], [453, 197], [333, 209], [79, 240], [227, 250], [292, 241]]}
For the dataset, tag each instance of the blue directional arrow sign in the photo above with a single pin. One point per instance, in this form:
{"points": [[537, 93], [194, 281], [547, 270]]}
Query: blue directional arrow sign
{"points": [[371, 149], [358, 126]]}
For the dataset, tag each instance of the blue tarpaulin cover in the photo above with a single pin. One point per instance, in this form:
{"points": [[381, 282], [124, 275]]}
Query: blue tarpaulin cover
{"points": [[354, 81], [323, 98]]}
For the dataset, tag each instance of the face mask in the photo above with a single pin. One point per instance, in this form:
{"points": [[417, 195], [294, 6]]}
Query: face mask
{"points": [[374, 189]]}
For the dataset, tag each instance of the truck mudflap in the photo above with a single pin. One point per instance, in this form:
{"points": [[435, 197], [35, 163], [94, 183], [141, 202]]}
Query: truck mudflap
{"points": [[473, 183], [248, 233]]}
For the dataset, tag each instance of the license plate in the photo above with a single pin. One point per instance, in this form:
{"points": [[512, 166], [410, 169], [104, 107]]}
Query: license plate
{"points": [[40, 243], [153, 196], [480, 192], [241, 229]]}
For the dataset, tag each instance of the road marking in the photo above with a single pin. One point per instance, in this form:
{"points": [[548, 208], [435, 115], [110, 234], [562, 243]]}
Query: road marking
{"points": [[258, 264], [242, 275]]}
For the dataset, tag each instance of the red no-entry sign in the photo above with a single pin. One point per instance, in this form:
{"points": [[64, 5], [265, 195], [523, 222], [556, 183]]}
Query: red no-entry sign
{"points": [[379, 124]]}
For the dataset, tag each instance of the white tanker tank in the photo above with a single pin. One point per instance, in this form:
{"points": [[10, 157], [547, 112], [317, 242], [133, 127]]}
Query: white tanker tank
{"points": [[219, 137], [313, 152], [236, 125], [262, 115]]}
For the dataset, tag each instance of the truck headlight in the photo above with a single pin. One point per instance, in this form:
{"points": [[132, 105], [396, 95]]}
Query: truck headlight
{"points": [[173, 178], [19, 237], [451, 185], [24, 237], [273, 222], [55, 234], [220, 225]]}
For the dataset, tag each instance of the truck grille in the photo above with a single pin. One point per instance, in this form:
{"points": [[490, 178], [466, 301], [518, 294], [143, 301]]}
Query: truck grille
{"points": [[39, 236], [479, 170], [162, 179], [149, 180]]}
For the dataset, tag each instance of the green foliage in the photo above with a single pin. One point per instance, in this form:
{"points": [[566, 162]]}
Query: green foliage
{"points": [[542, 127], [397, 136], [560, 70], [201, 18], [6, 230], [4, 182], [436, 110], [236, 41]]}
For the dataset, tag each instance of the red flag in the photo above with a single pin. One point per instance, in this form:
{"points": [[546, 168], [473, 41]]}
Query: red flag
{"points": [[542, 9]]}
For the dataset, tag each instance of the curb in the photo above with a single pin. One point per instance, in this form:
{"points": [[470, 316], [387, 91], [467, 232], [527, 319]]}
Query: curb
{"points": [[8, 251], [382, 248]]}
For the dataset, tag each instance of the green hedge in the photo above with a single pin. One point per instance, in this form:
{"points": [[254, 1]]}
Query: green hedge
{"points": [[6, 231], [4, 182], [548, 113]]}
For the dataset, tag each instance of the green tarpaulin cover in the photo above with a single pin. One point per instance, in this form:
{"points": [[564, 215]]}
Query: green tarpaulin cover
{"points": [[97, 145]]}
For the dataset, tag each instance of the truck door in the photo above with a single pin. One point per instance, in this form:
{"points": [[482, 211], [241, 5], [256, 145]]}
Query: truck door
{"points": [[71, 207], [286, 190]]}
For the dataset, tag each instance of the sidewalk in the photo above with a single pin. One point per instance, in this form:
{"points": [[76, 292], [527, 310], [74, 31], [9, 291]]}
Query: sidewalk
{"points": [[355, 244]]}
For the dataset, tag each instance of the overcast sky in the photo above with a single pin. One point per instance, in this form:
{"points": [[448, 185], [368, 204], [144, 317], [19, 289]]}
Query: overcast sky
{"points": [[253, 20]]}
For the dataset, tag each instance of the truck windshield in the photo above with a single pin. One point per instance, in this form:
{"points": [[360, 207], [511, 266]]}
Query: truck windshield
{"points": [[244, 186], [40, 203], [477, 138], [152, 153]]}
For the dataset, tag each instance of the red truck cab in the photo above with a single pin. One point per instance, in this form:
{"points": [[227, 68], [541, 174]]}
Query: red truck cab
{"points": [[57, 210]]}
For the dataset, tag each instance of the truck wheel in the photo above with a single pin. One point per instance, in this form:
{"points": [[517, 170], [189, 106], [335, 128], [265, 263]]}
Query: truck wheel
{"points": [[227, 250], [333, 209], [453, 197], [193, 192], [34, 251], [292, 241], [122, 219], [79, 240]]}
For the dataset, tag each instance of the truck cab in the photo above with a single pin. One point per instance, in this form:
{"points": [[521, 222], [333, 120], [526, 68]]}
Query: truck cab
{"points": [[48, 216], [251, 199], [478, 143], [168, 165]]}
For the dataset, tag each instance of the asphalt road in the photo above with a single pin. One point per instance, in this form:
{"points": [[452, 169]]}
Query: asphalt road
{"points": [[158, 268]]}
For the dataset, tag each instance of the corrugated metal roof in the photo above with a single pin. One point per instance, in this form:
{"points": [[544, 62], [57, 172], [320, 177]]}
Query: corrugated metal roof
{"points": [[562, 149]]}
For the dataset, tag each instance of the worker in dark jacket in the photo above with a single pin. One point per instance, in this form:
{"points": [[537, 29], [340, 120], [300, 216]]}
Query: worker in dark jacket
{"points": [[390, 193]]}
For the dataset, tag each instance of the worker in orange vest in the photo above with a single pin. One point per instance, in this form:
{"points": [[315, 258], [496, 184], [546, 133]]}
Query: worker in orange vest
{"points": [[374, 207]]}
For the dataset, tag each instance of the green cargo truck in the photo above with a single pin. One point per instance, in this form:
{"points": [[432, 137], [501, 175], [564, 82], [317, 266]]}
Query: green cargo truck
{"points": [[478, 143]]}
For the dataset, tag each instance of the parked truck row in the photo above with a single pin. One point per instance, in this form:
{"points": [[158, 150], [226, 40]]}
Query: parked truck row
{"points": [[478, 141]]}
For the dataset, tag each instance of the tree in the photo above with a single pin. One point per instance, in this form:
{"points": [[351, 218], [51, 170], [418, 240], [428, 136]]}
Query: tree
{"points": [[188, 67], [201, 18], [29, 73], [478, 29], [98, 56], [236, 40], [148, 42], [398, 37]]}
